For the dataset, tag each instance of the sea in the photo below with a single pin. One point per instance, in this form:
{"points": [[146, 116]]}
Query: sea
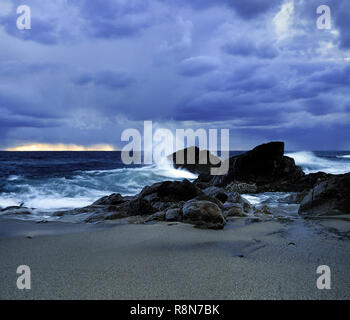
{"points": [[55, 181]]}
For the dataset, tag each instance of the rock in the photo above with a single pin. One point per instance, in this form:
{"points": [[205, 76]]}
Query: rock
{"points": [[218, 193], [203, 214], [171, 191], [16, 210], [264, 210], [307, 182], [210, 199], [158, 216], [234, 210], [194, 160], [100, 216], [241, 187], [173, 214], [157, 197], [236, 198], [295, 198], [265, 166], [330, 197], [113, 199], [139, 206]]}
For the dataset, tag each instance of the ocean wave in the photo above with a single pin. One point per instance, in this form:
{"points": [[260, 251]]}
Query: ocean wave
{"points": [[84, 187], [347, 156], [311, 163]]}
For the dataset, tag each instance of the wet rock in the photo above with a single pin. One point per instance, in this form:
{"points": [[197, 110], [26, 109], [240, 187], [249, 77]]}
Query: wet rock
{"points": [[263, 210], [263, 169], [113, 199], [218, 193], [203, 214], [264, 164], [171, 191], [330, 197], [97, 217], [194, 160], [16, 210], [234, 210]]}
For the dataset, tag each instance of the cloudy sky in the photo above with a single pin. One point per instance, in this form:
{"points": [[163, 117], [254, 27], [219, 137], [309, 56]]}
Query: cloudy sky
{"points": [[87, 70]]}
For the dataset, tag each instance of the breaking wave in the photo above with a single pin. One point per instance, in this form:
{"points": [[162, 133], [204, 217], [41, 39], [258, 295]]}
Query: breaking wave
{"points": [[83, 187], [311, 163]]}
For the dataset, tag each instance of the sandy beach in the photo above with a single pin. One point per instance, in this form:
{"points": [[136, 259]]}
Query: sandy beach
{"points": [[249, 259]]}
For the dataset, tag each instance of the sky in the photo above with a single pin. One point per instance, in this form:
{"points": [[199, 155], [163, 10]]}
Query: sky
{"points": [[87, 70]]}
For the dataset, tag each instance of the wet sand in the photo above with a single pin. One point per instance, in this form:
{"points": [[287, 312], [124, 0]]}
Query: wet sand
{"points": [[249, 259]]}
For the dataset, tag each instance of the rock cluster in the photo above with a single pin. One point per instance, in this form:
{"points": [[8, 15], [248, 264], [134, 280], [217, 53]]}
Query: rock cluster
{"points": [[210, 200], [170, 201]]}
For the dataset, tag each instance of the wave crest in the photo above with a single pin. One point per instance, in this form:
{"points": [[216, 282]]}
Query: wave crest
{"points": [[311, 163]]}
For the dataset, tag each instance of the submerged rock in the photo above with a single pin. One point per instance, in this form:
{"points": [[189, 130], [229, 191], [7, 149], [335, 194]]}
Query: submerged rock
{"points": [[330, 197]]}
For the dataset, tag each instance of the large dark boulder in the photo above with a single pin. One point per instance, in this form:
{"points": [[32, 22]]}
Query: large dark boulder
{"points": [[329, 197], [265, 166], [195, 160]]}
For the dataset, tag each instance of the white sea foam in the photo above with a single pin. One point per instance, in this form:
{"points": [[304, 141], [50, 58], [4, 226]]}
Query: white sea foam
{"points": [[311, 163], [347, 156], [84, 187]]}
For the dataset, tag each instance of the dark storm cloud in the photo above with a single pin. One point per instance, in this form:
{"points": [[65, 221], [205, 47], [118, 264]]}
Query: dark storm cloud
{"points": [[107, 79], [87, 63], [252, 8], [320, 105]]}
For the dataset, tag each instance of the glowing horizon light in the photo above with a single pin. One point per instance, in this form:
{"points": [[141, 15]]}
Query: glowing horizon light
{"points": [[61, 147]]}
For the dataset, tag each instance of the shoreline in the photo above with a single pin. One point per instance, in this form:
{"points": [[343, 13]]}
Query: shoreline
{"points": [[270, 259]]}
